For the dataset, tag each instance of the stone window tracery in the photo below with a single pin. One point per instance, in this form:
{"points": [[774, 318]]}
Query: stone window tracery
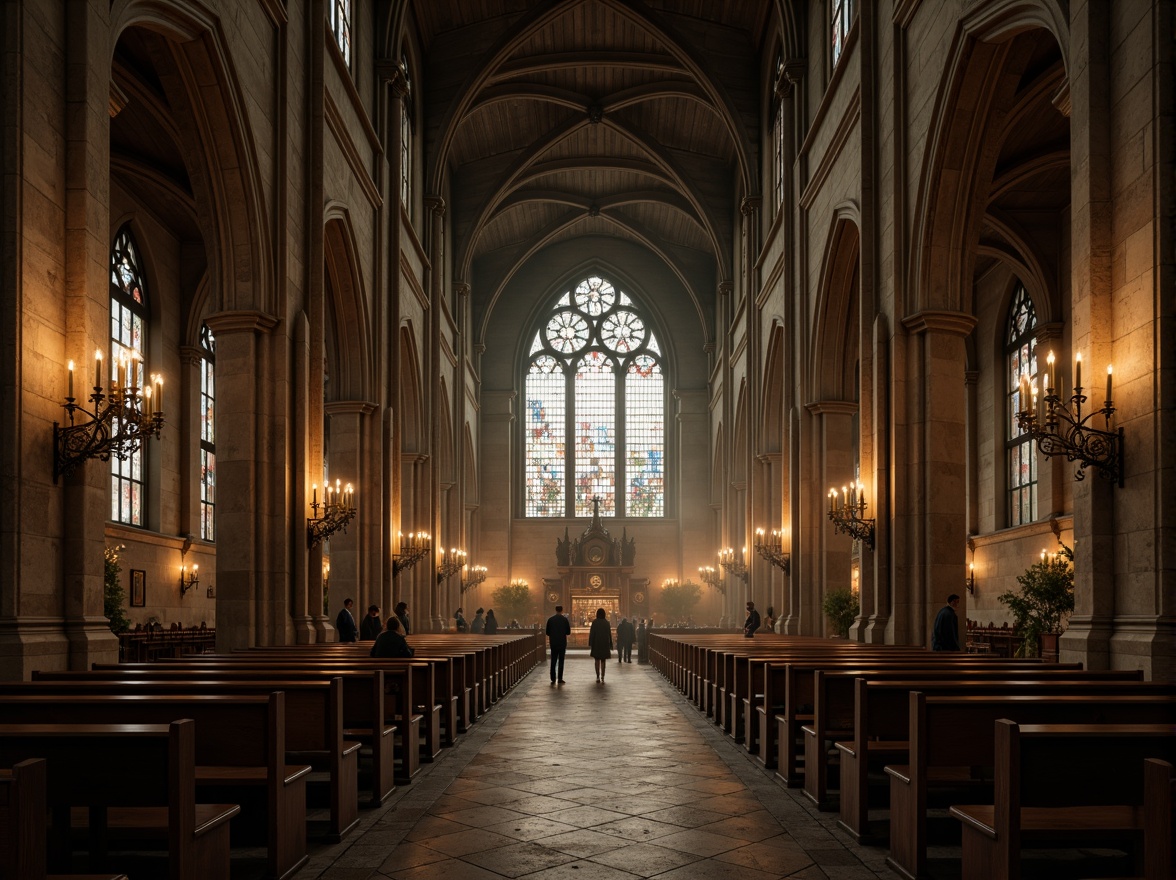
{"points": [[128, 326], [207, 434], [594, 420], [1020, 348], [340, 11]]}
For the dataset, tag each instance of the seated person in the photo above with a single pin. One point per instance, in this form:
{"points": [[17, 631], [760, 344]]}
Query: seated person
{"points": [[390, 643]]}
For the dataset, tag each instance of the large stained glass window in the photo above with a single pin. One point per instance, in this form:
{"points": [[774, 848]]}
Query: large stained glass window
{"points": [[128, 324], [207, 435], [595, 376], [1021, 360]]}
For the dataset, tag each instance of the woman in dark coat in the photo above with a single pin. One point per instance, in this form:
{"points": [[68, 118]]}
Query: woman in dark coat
{"points": [[600, 643], [491, 623]]}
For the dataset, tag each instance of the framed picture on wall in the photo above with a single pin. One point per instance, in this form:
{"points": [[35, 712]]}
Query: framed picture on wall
{"points": [[138, 588]]}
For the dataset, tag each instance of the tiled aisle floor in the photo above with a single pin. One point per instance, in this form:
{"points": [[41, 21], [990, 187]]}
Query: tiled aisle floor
{"points": [[595, 782]]}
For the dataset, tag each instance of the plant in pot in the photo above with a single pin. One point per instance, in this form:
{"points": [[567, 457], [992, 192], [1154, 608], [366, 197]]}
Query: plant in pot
{"points": [[113, 594], [1045, 600], [841, 607]]}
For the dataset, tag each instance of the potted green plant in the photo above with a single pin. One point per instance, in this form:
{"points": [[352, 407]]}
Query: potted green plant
{"points": [[841, 607], [1043, 603], [113, 594]]}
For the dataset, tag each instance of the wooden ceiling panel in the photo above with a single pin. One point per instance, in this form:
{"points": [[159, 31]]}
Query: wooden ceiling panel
{"points": [[587, 25], [505, 127], [670, 224]]}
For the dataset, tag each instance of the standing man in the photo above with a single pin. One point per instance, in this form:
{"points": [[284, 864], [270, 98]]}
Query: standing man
{"points": [[558, 630], [945, 634], [345, 623], [402, 614], [626, 635], [371, 626], [753, 621]]}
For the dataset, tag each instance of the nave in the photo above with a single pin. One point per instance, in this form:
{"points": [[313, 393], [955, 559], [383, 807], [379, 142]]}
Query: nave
{"points": [[596, 782]]}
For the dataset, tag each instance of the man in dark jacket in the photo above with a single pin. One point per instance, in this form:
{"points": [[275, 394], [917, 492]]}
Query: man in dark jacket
{"points": [[371, 626], [345, 623], [391, 643], [626, 636], [945, 634], [752, 623], [558, 630], [402, 613]]}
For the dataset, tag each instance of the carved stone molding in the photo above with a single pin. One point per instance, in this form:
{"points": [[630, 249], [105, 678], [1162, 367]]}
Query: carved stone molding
{"points": [[832, 407], [1061, 98], [726, 288], [937, 321], [595, 113], [435, 205], [750, 205]]}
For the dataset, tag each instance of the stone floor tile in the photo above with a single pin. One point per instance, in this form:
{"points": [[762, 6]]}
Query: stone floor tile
{"points": [[581, 870], [712, 869], [448, 869], [530, 828], [645, 859], [700, 843], [764, 857], [462, 843]]}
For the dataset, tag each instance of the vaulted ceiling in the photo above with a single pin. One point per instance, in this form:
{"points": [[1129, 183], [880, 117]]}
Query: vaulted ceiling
{"points": [[556, 122]]}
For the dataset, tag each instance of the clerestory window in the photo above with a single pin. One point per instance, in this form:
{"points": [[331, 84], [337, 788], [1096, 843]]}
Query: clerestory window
{"points": [[595, 415], [340, 13], [207, 434], [842, 16]]}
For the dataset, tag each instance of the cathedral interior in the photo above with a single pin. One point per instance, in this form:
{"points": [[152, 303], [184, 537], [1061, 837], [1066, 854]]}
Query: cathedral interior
{"points": [[437, 296]]}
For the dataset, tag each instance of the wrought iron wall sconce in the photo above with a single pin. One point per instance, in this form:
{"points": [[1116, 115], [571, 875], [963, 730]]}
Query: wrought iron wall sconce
{"points": [[1060, 428], [452, 561], [117, 421], [669, 582], [849, 517], [414, 547], [712, 578], [477, 575], [727, 561], [189, 578], [772, 549], [331, 515]]}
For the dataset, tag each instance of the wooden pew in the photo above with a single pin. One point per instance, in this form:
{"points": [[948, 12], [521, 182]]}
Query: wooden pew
{"points": [[952, 746], [834, 706], [22, 826], [1041, 797], [314, 725], [240, 752], [1159, 831], [881, 731], [365, 719], [88, 765]]}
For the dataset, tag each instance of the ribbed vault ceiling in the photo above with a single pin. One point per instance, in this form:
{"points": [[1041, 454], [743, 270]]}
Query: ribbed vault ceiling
{"points": [[555, 121]]}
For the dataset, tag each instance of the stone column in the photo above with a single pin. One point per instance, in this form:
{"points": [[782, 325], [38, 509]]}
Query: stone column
{"points": [[351, 571], [250, 534], [436, 208], [832, 465], [937, 526]]}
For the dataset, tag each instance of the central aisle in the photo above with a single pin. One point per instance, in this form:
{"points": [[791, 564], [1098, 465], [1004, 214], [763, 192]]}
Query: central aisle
{"points": [[596, 782]]}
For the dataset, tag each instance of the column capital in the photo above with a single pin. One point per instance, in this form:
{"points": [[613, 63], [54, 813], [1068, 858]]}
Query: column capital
{"points": [[190, 356], [241, 321], [344, 407], [832, 407], [1051, 332], [971, 377], [461, 288], [940, 321], [749, 205], [436, 205], [788, 75], [726, 288]]}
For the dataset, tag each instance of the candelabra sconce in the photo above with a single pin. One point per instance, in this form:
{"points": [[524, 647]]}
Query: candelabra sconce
{"points": [[452, 561], [1060, 428], [772, 549], [117, 421], [477, 575], [731, 566], [414, 547], [849, 517], [712, 578], [189, 578], [669, 582], [331, 515]]}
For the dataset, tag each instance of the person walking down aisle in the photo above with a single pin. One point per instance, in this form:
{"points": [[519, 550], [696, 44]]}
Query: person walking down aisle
{"points": [[491, 623], [402, 613], [558, 630], [753, 621], [600, 643], [945, 634], [626, 636], [345, 623], [391, 643], [479, 625], [371, 626]]}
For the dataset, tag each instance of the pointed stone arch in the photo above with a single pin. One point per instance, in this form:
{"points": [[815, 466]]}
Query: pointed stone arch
{"points": [[349, 351], [220, 158], [834, 343], [962, 149], [413, 433]]}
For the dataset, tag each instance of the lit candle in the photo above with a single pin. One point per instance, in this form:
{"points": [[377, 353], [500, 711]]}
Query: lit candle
{"points": [[98, 369], [743, 555], [158, 392], [1050, 362], [1108, 386], [71, 368], [1078, 373], [314, 494]]}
